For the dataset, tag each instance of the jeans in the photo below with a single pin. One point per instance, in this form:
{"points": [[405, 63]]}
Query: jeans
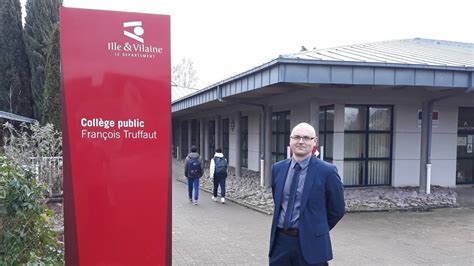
{"points": [[193, 182], [219, 181]]}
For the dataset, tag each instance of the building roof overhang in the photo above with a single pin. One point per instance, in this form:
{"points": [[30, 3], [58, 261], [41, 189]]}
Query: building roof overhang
{"points": [[402, 63], [284, 70]]}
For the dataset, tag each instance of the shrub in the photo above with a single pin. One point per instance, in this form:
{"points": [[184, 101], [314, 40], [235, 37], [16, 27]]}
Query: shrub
{"points": [[38, 149], [25, 236]]}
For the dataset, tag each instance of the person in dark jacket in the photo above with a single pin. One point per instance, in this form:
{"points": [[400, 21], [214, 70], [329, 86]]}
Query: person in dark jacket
{"points": [[309, 201], [193, 170]]}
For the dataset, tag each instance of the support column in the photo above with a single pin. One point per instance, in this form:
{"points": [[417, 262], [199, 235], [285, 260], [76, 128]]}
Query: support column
{"points": [[238, 144], [201, 138], [268, 146], [425, 156], [190, 124]]}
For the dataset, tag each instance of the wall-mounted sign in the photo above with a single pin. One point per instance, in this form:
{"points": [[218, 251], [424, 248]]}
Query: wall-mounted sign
{"points": [[116, 137], [462, 141], [434, 118]]}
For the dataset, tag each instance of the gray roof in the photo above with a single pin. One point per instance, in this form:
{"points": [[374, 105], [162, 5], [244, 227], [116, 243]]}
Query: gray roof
{"points": [[410, 51], [178, 92], [412, 62], [15, 117]]}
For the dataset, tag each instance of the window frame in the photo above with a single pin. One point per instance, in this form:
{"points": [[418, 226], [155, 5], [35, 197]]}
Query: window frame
{"points": [[184, 139], [367, 132], [225, 137], [212, 138], [244, 122], [326, 132], [464, 158], [286, 134]]}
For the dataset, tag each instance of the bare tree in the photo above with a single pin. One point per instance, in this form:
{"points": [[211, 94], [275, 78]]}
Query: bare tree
{"points": [[184, 74]]}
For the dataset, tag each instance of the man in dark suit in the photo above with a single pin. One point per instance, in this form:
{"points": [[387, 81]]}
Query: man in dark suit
{"points": [[309, 201]]}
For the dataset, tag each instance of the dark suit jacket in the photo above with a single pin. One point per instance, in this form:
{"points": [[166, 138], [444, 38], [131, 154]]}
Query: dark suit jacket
{"points": [[322, 206]]}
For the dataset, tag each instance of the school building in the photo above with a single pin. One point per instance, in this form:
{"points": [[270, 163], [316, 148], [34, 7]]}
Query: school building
{"points": [[369, 103]]}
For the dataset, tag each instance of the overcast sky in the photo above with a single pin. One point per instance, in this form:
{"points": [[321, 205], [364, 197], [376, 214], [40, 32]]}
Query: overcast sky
{"points": [[225, 38]]}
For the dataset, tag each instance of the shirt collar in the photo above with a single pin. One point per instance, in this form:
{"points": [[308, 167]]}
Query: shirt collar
{"points": [[303, 164]]}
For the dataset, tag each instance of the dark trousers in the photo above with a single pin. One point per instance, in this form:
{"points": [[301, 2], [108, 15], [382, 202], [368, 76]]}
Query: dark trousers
{"points": [[219, 181], [193, 182], [287, 251]]}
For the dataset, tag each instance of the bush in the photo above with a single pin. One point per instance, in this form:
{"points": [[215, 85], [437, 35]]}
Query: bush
{"points": [[38, 149], [25, 236]]}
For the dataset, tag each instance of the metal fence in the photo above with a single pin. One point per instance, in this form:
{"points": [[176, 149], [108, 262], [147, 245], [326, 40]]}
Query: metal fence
{"points": [[50, 171]]}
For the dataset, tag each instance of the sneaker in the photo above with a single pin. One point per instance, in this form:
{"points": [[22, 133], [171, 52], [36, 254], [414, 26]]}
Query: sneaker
{"points": [[222, 200], [214, 198], [195, 202], [190, 200]]}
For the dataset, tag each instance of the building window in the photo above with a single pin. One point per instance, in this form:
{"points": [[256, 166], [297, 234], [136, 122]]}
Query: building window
{"points": [[174, 136], [244, 137], [368, 145], [195, 133], [326, 131], [280, 135], [184, 139], [212, 138], [225, 137], [465, 143]]}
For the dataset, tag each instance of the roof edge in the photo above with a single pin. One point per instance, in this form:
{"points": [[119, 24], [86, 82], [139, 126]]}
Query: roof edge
{"points": [[372, 64], [282, 60], [231, 78]]}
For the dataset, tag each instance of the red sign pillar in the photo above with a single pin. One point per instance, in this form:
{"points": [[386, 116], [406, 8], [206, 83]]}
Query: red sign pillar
{"points": [[116, 137]]}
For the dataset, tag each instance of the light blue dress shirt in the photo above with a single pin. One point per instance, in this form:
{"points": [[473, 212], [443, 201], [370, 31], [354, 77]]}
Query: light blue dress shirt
{"points": [[299, 192]]}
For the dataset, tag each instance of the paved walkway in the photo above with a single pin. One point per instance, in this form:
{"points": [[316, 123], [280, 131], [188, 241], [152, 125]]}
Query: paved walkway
{"points": [[211, 233], [229, 234]]}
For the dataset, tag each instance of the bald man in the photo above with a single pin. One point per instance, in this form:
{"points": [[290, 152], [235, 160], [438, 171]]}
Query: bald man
{"points": [[309, 201]]}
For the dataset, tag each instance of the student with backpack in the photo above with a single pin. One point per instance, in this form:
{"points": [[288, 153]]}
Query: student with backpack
{"points": [[218, 172], [193, 171]]}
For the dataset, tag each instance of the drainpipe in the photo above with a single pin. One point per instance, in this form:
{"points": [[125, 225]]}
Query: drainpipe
{"points": [[426, 138], [426, 132], [268, 149], [238, 144]]}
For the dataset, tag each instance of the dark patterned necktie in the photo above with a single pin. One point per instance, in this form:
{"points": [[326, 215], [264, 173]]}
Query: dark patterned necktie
{"points": [[292, 198]]}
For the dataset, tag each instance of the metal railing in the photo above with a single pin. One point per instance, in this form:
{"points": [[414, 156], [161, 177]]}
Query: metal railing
{"points": [[50, 171]]}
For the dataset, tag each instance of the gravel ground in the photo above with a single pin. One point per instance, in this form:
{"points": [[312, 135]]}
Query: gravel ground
{"points": [[248, 192]]}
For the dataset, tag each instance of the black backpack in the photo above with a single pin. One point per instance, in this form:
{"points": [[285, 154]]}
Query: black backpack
{"points": [[194, 168], [221, 166]]}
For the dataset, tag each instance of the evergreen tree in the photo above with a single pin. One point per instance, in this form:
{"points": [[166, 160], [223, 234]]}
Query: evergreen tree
{"points": [[41, 17], [15, 93], [52, 102]]}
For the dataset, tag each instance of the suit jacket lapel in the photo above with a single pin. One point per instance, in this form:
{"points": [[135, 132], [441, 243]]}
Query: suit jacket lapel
{"points": [[311, 174], [280, 185]]}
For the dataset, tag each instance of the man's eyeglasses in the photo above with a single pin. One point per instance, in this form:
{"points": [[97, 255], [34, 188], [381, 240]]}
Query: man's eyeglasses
{"points": [[304, 138]]}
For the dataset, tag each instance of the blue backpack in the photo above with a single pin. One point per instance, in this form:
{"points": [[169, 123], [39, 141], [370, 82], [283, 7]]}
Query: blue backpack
{"points": [[221, 166], [194, 168]]}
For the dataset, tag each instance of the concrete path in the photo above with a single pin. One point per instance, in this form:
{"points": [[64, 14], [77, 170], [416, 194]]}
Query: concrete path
{"points": [[439, 237], [211, 233], [215, 234]]}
